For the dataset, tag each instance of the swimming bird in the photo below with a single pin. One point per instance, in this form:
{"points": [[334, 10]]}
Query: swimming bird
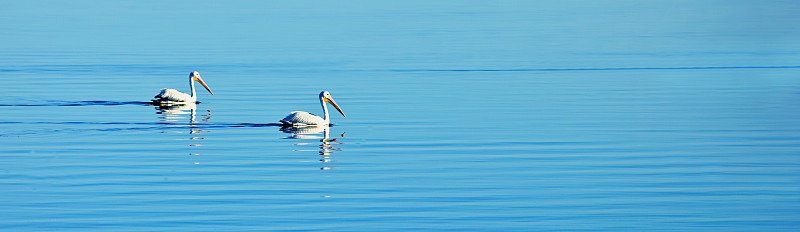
{"points": [[301, 118], [175, 96]]}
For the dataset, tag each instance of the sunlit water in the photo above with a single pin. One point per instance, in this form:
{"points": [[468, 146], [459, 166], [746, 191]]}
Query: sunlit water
{"points": [[460, 116]]}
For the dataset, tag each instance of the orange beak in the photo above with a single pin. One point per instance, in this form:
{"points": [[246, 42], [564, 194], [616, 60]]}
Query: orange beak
{"points": [[200, 79], [333, 103]]}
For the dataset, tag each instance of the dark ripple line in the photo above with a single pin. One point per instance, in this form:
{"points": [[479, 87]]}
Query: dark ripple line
{"points": [[87, 68], [593, 69], [90, 68], [204, 125], [197, 126], [86, 103], [134, 126]]}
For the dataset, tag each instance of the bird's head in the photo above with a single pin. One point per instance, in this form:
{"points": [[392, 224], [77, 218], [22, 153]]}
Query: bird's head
{"points": [[326, 97], [196, 77]]}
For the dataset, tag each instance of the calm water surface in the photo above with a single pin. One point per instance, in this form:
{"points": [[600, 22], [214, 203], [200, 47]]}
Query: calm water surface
{"points": [[502, 116]]}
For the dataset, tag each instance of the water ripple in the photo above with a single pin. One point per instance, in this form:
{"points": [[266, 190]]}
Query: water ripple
{"points": [[81, 103], [593, 69]]}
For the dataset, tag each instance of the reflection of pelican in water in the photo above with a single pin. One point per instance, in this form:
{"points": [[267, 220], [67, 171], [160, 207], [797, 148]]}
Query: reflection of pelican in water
{"points": [[174, 113], [301, 118], [326, 150], [326, 147], [306, 132], [172, 96]]}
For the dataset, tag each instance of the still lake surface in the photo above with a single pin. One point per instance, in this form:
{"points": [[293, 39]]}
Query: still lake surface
{"points": [[466, 115]]}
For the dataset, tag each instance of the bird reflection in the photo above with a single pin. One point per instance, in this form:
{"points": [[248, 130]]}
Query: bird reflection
{"points": [[327, 144], [173, 114], [177, 112]]}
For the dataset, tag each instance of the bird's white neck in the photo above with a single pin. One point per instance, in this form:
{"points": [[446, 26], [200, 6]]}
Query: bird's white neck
{"points": [[191, 86], [324, 111]]}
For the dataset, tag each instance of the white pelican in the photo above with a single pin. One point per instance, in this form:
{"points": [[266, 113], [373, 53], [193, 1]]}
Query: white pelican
{"points": [[300, 118], [175, 96]]}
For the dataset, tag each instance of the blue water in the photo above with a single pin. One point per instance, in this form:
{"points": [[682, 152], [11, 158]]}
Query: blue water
{"points": [[467, 115]]}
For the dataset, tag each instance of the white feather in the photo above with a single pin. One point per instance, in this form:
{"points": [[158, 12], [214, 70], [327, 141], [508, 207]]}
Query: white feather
{"points": [[172, 95], [302, 118]]}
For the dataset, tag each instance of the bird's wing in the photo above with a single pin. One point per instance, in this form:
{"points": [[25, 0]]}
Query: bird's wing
{"points": [[302, 118], [172, 95]]}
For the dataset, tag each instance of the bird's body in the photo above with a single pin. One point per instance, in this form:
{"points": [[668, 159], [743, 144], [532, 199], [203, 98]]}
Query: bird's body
{"points": [[175, 96], [301, 118]]}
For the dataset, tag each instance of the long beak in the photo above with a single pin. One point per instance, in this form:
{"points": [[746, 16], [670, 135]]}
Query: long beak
{"points": [[199, 79], [333, 103]]}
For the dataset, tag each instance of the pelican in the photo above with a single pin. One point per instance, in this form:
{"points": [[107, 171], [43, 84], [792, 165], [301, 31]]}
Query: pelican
{"points": [[175, 96], [301, 118]]}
